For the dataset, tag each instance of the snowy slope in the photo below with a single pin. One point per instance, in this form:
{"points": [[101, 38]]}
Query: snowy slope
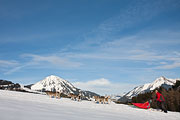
{"points": [[27, 106], [30, 90], [151, 86]]}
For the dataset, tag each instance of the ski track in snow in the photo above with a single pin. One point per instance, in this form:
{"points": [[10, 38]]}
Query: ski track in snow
{"points": [[28, 106]]}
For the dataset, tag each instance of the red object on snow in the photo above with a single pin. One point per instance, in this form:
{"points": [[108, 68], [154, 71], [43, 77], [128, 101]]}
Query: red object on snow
{"points": [[145, 105]]}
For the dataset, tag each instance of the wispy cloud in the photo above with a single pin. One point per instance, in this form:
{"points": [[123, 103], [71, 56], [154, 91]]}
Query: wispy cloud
{"points": [[12, 70], [169, 66], [108, 41], [40, 61], [8, 63], [52, 59], [147, 47], [99, 82], [136, 13]]}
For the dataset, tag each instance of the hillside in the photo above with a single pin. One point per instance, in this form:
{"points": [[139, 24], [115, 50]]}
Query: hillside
{"points": [[27, 106], [8, 85]]}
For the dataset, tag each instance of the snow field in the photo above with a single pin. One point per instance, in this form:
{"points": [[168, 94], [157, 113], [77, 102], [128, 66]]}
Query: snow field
{"points": [[28, 106]]}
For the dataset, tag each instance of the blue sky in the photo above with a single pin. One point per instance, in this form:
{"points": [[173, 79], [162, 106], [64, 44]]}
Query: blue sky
{"points": [[107, 46]]}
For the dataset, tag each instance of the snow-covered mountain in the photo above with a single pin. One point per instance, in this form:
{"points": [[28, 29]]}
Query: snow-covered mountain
{"points": [[162, 81], [55, 83]]}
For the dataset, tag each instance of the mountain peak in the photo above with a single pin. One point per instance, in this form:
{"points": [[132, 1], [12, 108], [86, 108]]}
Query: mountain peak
{"points": [[162, 80], [162, 77], [53, 82], [159, 80], [53, 77], [151, 86]]}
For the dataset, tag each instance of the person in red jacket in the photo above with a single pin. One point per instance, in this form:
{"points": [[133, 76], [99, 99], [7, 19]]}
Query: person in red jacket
{"points": [[160, 101]]}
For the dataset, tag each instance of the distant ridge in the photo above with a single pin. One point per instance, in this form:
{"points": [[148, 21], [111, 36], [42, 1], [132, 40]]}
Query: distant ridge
{"points": [[8, 85]]}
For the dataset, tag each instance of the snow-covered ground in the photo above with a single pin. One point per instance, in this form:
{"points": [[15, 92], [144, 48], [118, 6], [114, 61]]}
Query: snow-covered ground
{"points": [[28, 106]]}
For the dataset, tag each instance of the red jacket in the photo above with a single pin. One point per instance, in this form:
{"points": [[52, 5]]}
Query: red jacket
{"points": [[159, 97]]}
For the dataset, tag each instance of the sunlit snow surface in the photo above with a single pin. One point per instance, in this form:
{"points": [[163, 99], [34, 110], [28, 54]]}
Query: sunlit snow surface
{"points": [[28, 106]]}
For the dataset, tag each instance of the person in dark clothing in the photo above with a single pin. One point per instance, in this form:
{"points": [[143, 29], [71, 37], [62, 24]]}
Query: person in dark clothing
{"points": [[160, 101]]}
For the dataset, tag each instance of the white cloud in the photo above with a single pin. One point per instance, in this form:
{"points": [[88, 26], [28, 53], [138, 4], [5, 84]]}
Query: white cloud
{"points": [[15, 69], [104, 86], [39, 61], [6, 63], [52, 59], [177, 53], [134, 14], [163, 63], [169, 66], [99, 82], [140, 47]]}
